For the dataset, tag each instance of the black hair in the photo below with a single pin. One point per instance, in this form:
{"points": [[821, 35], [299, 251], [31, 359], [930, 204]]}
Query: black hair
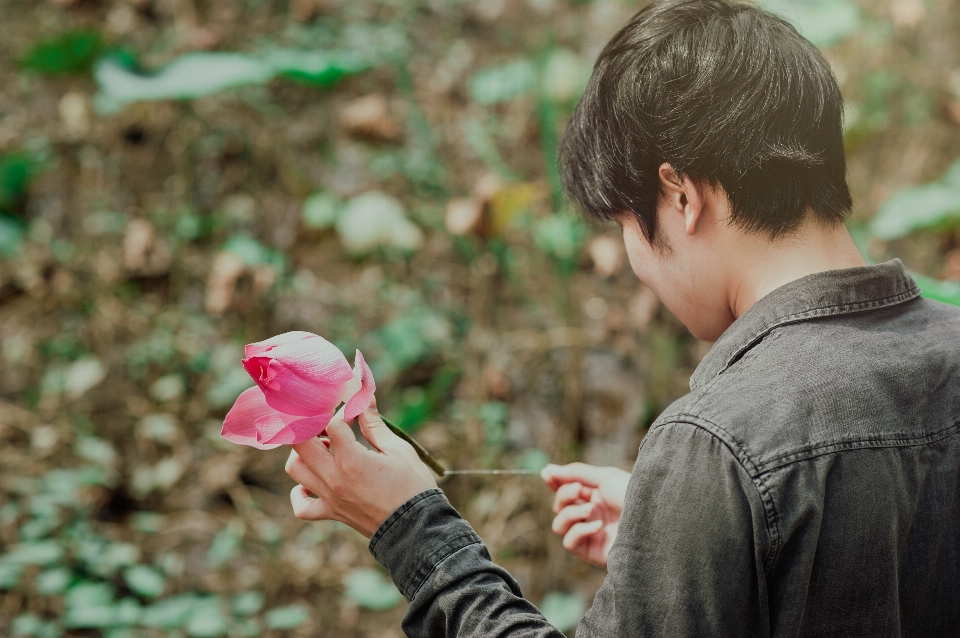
{"points": [[725, 93]]}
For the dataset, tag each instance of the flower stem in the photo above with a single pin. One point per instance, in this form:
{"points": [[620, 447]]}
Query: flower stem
{"points": [[425, 456]]}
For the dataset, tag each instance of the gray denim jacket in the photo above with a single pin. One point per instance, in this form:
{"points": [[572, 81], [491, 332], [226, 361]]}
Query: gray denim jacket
{"points": [[809, 485]]}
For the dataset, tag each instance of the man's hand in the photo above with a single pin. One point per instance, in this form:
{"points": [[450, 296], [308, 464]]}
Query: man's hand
{"points": [[350, 483], [588, 504]]}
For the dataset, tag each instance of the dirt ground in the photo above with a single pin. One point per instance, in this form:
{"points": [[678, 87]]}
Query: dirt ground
{"points": [[161, 237]]}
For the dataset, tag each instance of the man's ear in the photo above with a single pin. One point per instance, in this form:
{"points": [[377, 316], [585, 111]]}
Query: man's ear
{"points": [[682, 196]]}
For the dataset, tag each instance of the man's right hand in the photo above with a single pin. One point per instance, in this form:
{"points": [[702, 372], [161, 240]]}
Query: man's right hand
{"points": [[587, 505]]}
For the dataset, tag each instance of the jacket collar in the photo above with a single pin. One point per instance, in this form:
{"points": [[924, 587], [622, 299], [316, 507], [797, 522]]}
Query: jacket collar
{"points": [[823, 294]]}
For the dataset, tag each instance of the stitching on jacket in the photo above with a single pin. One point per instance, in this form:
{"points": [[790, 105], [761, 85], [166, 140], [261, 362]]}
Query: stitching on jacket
{"points": [[805, 454], [819, 313], [398, 514], [739, 452], [426, 577]]}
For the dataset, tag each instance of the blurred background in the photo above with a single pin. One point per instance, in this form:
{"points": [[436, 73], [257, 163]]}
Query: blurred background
{"points": [[181, 177]]}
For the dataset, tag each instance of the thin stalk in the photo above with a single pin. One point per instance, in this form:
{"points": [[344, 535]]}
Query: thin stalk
{"points": [[425, 456]]}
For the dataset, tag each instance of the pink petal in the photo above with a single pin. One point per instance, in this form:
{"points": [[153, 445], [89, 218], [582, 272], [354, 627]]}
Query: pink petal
{"points": [[266, 345], [239, 424], [258, 368], [272, 430], [289, 393], [362, 398], [314, 359]]}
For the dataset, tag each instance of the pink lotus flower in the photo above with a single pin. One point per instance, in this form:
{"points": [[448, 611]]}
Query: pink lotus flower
{"points": [[301, 380]]}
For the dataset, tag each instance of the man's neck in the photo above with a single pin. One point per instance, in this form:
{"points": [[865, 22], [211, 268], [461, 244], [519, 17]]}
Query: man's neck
{"points": [[770, 264]]}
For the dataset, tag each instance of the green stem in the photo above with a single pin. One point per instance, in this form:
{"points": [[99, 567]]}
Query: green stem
{"points": [[425, 456]]}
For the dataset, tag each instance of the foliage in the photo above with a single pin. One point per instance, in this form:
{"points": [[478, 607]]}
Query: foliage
{"points": [[71, 52], [934, 206], [200, 74], [562, 610], [371, 589], [945, 291], [209, 150], [823, 22], [16, 171]]}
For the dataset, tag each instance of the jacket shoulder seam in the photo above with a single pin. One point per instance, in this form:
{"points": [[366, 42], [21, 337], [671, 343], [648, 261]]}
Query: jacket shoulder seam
{"points": [[746, 462]]}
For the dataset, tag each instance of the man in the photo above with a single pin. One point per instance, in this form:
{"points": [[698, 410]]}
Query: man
{"points": [[809, 484]]}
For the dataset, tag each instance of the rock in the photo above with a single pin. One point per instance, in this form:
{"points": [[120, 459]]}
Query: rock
{"points": [[607, 254], [143, 253], [83, 375], [369, 117], [463, 216], [75, 115], [643, 306], [222, 281], [375, 219]]}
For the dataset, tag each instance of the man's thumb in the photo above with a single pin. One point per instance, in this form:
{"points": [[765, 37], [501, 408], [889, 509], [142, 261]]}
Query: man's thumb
{"points": [[375, 431]]}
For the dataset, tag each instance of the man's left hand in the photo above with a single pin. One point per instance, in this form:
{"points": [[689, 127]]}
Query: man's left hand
{"points": [[353, 484]]}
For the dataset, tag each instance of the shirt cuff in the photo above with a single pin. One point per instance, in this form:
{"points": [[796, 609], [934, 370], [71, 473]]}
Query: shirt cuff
{"points": [[417, 537]]}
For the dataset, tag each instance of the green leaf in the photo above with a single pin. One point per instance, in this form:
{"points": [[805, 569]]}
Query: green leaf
{"points": [[127, 612], [30, 625], [823, 22], [38, 553], [66, 53], [534, 459], [144, 581], [561, 610], [408, 339], [205, 73], [248, 627], [320, 210], [9, 575], [370, 589], [228, 387], [494, 415], [932, 206], [53, 581], [89, 594], [286, 617], [505, 82], [170, 613], [251, 252], [943, 291], [16, 171], [207, 619], [560, 237], [415, 408], [147, 522], [565, 75], [12, 232], [225, 544], [39, 527], [320, 68], [247, 604], [96, 450], [105, 560]]}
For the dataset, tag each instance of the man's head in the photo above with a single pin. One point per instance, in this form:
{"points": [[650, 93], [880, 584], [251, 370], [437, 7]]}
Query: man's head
{"points": [[715, 96]]}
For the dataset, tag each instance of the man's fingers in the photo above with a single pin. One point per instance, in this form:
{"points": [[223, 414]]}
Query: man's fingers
{"points": [[571, 494], [374, 430], [568, 516], [579, 533], [589, 475], [315, 453], [340, 434], [307, 507], [303, 473]]}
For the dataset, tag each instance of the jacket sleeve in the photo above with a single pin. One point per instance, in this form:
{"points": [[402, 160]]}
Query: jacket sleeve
{"points": [[688, 558], [445, 572]]}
